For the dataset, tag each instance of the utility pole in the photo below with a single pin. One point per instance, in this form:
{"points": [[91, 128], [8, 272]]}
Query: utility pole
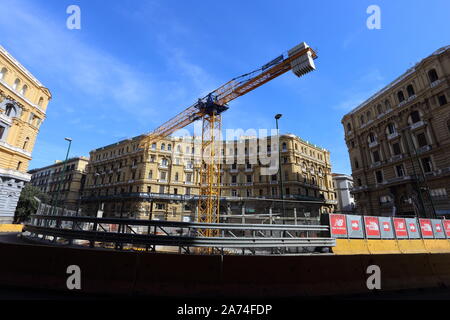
{"points": [[277, 117], [62, 172]]}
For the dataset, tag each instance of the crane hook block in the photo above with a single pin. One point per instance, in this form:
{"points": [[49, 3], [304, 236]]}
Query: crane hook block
{"points": [[303, 64]]}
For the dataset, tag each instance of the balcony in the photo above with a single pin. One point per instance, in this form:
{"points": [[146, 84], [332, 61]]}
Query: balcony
{"points": [[424, 149], [373, 144], [234, 170], [417, 125], [396, 158], [435, 83], [392, 136], [375, 164]]}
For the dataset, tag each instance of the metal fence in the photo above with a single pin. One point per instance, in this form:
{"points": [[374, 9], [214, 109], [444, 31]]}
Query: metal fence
{"points": [[184, 237]]}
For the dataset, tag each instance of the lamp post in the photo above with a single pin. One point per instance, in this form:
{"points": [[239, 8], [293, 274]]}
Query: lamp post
{"points": [[277, 117], [63, 171]]}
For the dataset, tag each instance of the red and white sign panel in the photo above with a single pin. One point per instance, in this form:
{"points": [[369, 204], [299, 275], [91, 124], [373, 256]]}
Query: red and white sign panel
{"points": [[338, 225], [447, 228], [400, 228], [426, 228], [372, 227]]}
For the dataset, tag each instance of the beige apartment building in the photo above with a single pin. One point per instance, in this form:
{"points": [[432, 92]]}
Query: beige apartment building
{"points": [[121, 183], [23, 103], [399, 143], [62, 181]]}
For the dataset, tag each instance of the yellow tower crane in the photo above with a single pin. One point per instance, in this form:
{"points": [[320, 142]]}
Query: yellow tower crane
{"points": [[209, 109]]}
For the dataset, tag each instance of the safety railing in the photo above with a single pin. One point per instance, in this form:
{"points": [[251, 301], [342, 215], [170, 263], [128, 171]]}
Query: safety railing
{"points": [[159, 235]]}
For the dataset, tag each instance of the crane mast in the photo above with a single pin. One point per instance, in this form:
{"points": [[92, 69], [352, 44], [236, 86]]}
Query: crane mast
{"points": [[209, 109]]}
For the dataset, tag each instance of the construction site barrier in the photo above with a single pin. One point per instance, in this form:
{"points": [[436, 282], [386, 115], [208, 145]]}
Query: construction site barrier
{"points": [[388, 235], [11, 228]]}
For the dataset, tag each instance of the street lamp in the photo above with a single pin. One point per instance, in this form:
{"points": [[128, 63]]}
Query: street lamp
{"points": [[62, 172], [277, 117]]}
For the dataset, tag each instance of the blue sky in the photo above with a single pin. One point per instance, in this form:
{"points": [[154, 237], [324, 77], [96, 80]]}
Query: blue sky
{"points": [[135, 64]]}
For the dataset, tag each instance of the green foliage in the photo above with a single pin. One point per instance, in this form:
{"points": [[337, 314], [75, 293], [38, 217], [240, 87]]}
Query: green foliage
{"points": [[28, 204]]}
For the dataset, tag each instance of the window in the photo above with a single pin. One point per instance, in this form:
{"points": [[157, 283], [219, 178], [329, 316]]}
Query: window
{"points": [[349, 127], [150, 175], [164, 162], [24, 90], [176, 176], [10, 111], [19, 165], [376, 156], [421, 140], [387, 104], [415, 116], [3, 73], [169, 147], [189, 177], [391, 128], [396, 148], [379, 109], [2, 132], [379, 176], [432, 75], [153, 146], [163, 175], [410, 90], [233, 179], [163, 146], [41, 102], [400, 170], [372, 137], [175, 191], [400, 96], [442, 100], [284, 146], [427, 165], [16, 84], [356, 163], [369, 115], [361, 120], [25, 144]]}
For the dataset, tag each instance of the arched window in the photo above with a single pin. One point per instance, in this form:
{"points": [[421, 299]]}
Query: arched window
{"points": [[361, 120], [415, 116], [390, 129], [154, 146], [169, 147], [284, 146], [410, 90], [10, 110], [401, 96], [355, 161], [368, 115], [25, 144], [349, 127], [163, 146], [3, 73], [387, 104], [41, 102], [432, 75], [379, 109], [24, 90], [16, 84]]}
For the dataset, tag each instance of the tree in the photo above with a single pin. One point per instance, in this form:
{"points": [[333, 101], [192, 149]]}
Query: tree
{"points": [[29, 202]]}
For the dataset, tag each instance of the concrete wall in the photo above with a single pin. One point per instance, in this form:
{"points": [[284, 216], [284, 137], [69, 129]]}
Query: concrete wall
{"points": [[161, 275]]}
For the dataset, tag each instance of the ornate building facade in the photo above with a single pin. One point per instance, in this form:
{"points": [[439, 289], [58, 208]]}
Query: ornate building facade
{"points": [[23, 103], [399, 143], [62, 181], [121, 182]]}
